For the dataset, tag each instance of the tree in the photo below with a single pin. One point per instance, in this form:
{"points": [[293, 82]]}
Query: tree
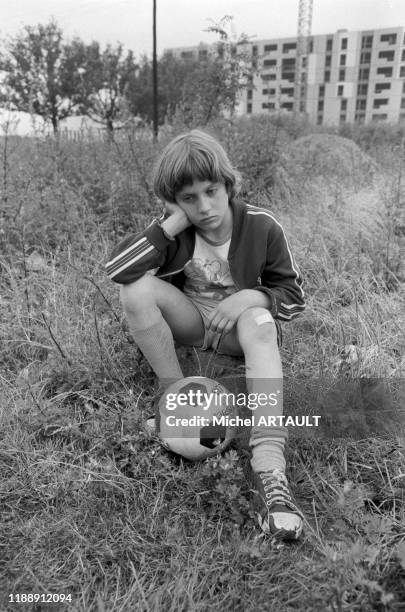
{"points": [[173, 73], [106, 79], [42, 73], [199, 90], [213, 89]]}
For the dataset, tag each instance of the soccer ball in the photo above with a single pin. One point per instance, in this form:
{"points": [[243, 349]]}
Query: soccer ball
{"points": [[193, 418]]}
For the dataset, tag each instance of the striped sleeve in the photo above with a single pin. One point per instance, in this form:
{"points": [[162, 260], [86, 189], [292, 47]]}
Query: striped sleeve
{"points": [[138, 254], [281, 277]]}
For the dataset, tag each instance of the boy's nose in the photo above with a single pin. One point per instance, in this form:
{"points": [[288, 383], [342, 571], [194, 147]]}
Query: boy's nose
{"points": [[204, 204]]}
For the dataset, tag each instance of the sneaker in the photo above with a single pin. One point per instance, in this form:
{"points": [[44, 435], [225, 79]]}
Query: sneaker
{"points": [[152, 421], [276, 512], [150, 425]]}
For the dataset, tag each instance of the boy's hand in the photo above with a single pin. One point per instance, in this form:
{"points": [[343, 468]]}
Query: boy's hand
{"points": [[226, 314], [172, 208], [177, 221]]}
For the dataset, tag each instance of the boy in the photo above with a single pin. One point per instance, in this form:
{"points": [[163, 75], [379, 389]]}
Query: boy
{"points": [[215, 273]]}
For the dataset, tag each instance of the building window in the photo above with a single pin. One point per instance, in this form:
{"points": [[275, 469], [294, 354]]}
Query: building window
{"points": [[254, 50], [362, 89], [403, 103], [366, 42], [319, 119], [361, 105], [329, 44], [269, 105], [343, 45], [322, 90], [328, 61], [379, 117], [268, 63], [269, 92], [249, 108], [311, 46], [268, 77], [364, 74], [391, 39], [288, 76], [287, 106], [187, 54], [402, 72], [388, 55], [385, 71], [343, 105], [365, 57], [288, 91], [249, 94], [379, 87], [326, 76], [320, 105], [403, 87], [288, 63], [202, 54], [340, 90], [403, 55], [380, 102], [342, 74], [360, 117], [268, 48], [342, 118], [343, 60], [289, 47]]}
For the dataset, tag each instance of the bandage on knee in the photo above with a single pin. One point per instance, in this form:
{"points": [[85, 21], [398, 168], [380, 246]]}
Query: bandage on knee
{"points": [[263, 318]]}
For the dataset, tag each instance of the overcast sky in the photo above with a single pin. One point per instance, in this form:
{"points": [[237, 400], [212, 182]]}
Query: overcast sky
{"points": [[182, 22]]}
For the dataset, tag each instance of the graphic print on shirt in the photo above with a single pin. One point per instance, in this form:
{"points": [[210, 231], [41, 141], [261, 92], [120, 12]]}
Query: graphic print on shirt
{"points": [[207, 274]]}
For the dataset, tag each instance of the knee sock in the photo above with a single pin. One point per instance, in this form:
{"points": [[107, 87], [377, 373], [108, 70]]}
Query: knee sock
{"points": [[267, 454], [267, 442], [157, 345]]}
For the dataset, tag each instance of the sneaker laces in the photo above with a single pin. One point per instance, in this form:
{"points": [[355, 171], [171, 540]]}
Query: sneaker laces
{"points": [[276, 490]]}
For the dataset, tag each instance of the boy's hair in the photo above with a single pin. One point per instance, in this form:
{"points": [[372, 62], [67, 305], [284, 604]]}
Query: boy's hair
{"points": [[190, 157]]}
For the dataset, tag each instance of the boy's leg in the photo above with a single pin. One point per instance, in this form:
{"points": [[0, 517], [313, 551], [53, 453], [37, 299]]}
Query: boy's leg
{"points": [[256, 337], [158, 314], [256, 333]]}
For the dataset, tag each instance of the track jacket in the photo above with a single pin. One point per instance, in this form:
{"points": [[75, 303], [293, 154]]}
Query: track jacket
{"points": [[259, 258]]}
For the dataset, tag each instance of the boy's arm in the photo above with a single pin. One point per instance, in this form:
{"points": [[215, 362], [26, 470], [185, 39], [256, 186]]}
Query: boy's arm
{"points": [[281, 278], [137, 254]]}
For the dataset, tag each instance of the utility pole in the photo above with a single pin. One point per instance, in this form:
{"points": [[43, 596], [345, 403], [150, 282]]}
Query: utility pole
{"points": [[155, 78], [301, 62]]}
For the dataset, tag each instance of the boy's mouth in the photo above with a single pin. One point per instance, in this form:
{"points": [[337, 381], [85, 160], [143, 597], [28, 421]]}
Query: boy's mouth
{"points": [[207, 220]]}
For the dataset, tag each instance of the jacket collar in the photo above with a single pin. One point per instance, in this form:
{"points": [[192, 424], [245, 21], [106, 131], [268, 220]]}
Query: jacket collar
{"points": [[238, 210]]}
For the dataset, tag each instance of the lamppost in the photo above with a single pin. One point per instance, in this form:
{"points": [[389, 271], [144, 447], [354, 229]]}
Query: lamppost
{"points": [[155, 78]]}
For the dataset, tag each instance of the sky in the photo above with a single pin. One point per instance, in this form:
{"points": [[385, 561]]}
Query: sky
{"points": [[182, 22]]}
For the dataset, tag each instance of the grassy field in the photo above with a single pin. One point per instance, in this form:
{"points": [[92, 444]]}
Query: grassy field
{"points": [[91, 506]]}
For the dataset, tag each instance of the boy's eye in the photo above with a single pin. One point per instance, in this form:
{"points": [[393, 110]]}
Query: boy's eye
{"points": [[212, 191]]}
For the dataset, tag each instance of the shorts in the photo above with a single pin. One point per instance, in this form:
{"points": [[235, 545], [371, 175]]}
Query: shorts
{"points": [[212, 340]]}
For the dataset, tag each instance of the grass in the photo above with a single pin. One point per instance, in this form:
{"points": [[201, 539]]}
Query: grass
{"points": [[91, 505]]}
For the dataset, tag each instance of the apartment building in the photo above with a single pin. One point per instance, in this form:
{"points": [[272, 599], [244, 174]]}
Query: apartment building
{"points": [[353, 77]]}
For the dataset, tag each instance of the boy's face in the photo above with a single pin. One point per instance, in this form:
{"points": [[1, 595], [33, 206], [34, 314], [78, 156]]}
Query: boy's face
{"points": [[206, 205]]}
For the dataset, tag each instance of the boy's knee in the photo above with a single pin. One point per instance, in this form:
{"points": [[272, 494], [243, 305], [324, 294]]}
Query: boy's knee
{"points": [[256, 325], [136, 294]]}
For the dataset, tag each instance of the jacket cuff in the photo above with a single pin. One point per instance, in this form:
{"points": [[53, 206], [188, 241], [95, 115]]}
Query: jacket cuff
{"points": [[273, 307], [158, 237]]}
